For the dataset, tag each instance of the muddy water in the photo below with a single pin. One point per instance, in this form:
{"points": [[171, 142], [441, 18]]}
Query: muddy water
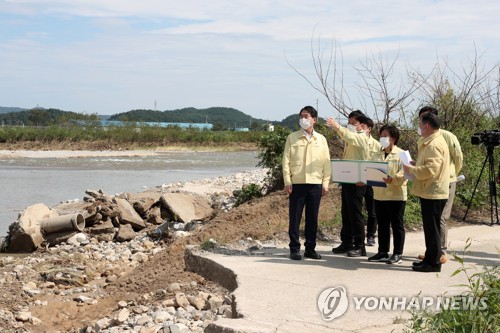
{"points": [[26, 181]]}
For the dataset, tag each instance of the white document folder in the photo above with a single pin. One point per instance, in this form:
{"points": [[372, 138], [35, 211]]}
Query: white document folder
{"points": [[353, 171]]}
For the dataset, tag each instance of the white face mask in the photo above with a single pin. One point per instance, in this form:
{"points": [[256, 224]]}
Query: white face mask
{"points": [[304, 123], [352, 128], [384, 141], [419, 131]]}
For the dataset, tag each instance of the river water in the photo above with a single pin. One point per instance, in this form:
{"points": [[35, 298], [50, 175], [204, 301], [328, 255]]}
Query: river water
{"points": [[26, 181]]}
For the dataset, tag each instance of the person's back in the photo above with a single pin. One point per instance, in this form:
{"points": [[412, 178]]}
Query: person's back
{"points": [[456, 156]]}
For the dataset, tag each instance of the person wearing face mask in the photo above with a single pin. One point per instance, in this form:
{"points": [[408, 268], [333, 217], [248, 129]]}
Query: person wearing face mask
{"points": [[390, 201], [357, 147], [432, 177], [306, 174], [456, 162]]}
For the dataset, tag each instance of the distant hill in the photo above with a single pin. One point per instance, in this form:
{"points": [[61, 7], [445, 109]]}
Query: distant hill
{"points": [[220, 117], [225, 117], [43, 117], [4, 109]]}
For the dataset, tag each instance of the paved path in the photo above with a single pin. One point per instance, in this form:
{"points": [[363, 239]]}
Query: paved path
{"points": [[276, 294]]}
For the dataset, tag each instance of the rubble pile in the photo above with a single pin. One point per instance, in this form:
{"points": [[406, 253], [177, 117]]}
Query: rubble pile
{"points": [[120, 233], [81, 269], [122, 216]]}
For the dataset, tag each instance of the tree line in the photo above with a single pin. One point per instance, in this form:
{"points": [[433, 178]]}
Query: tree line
{"points": [[221, 118]]}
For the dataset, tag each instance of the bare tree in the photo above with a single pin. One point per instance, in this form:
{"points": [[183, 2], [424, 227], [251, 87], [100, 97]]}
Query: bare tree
{"points": [[386, 93], [329, 74], [472, 92], [378, 88]]}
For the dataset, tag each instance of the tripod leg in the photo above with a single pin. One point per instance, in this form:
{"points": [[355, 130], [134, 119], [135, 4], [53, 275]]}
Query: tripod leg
{"points": [[475, 188], [492, 188]]}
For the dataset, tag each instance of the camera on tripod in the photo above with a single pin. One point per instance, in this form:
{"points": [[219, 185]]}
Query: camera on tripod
{"points": [[489, 138]]}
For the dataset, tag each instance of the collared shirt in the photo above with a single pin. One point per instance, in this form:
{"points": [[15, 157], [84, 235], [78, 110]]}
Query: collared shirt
{"points": [[306, 161], [308, 136], [397, 189], [432, 169], [456, 155], [357, 145]]}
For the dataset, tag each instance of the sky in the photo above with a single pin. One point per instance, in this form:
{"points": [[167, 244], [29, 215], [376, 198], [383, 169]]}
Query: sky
{"points": [[112, 56]]}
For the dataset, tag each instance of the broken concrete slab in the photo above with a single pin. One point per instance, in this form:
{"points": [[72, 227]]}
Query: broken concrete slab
{"points": [[128, 215], [187, 207], [125, 233], [103, 227], [25, 233], [143, 201], [154, 215], [82, 207], [97, 194]]}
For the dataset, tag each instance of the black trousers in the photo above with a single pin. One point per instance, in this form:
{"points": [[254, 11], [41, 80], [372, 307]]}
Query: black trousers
{"points": [[308, 195], [371, 224], [431, 217], [390, 216], [353, 223]]}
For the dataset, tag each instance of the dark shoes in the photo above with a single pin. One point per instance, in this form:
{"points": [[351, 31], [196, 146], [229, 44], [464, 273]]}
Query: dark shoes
{"points": [[370, 241], [357, 252], [295, 255], [312, 255], [395, 259], [342, 248], [379, 257], [426, 268]]}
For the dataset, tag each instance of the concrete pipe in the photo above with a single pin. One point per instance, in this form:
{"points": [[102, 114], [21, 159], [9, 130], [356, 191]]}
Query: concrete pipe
{"points": [[70, 222]]}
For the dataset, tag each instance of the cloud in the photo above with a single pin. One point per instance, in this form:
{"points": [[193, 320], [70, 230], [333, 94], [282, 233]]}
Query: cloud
{"points": [[112, 56]]}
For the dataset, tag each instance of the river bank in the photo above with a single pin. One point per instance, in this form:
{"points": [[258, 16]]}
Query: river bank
{"points": [[103, 145]]}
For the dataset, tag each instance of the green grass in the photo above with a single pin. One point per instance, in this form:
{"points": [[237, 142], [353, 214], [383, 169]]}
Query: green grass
{"points": [[483, 287], [126, 135]]}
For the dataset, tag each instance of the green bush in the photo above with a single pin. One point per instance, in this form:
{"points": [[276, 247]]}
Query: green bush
{"points": [[271, 147], [247, 193]]}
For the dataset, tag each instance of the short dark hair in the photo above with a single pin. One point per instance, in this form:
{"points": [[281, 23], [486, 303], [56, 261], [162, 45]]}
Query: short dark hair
{"points": [[393, 132], [355, 114], [428, 109], [431, 119], [360, 117], [369, 122], [309, 109]]}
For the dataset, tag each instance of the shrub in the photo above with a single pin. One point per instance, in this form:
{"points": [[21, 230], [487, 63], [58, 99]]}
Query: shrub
{"points": [[247, 193], [271, 147]]}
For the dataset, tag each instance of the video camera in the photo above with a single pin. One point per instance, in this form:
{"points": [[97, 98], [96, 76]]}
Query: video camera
{"points": [[489, 138]]}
